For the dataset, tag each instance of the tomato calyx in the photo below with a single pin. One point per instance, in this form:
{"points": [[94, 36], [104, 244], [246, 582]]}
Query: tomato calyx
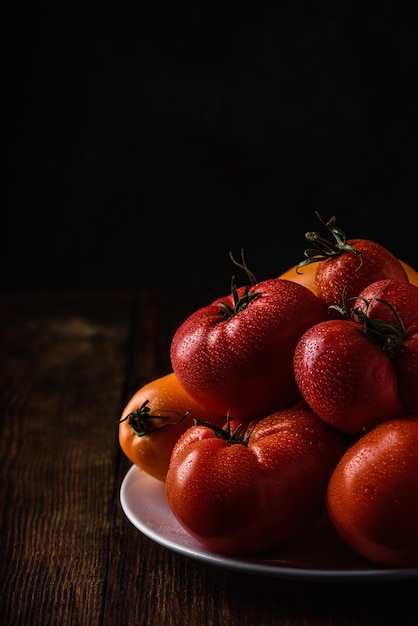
{"points": [[142, 419], [240, 302], [323, 249], [390, 337], [239, 435]]}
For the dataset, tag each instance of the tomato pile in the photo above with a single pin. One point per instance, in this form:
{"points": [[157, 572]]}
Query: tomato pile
{"points": [[292, 398]]}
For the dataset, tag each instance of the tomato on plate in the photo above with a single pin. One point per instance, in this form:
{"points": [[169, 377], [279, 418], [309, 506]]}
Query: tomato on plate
{"points": [[344, 266], [362, 370], [236, 355], [153, 420], [395, 305], [346, 378], [372, 497], [411, 272], [244, 489]]}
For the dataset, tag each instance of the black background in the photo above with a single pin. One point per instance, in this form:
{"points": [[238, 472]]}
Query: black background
{"points": [[144, 147]]}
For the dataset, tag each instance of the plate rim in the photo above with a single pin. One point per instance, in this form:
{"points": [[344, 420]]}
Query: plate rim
{"points": [[247, 564]]}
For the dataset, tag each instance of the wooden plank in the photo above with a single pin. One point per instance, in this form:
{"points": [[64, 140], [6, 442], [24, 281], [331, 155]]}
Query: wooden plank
{"points": [[62, 370], [147, 583]]}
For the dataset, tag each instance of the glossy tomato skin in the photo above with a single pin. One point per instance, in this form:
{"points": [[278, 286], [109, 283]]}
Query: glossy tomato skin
{"points": [[236, 498], [401, 296], [345, 378], [403, 299], [350, 274], [243, 364], [168, 402], [372, 497]]}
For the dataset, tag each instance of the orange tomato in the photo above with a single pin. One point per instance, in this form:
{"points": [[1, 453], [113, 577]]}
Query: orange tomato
{"points": [[153, 420], [304, 276], [411, 273], [307, 273]]}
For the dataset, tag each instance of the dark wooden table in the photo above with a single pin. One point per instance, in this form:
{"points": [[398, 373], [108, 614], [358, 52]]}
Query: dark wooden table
{"points": [[68, 554]]}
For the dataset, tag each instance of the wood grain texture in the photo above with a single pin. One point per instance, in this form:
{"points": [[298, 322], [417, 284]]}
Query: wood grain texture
{"points": [[68, 554]]}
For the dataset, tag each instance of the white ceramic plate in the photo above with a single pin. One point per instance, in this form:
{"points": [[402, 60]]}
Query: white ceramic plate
{"points": [[320, 556]]}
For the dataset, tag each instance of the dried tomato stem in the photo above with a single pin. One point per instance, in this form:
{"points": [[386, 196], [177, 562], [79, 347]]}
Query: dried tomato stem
{"points": [[243, 265], [241, 434], [323, 249], [390, 337], [141, 420]]}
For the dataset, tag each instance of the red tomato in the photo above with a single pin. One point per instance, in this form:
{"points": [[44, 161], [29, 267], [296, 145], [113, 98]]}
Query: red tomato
{"points": [[346, 379], [236, 355], [372, 497], [243, 490], [396, 303], [346, 266], [306, 275], [387, 300], [153, 420]]}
